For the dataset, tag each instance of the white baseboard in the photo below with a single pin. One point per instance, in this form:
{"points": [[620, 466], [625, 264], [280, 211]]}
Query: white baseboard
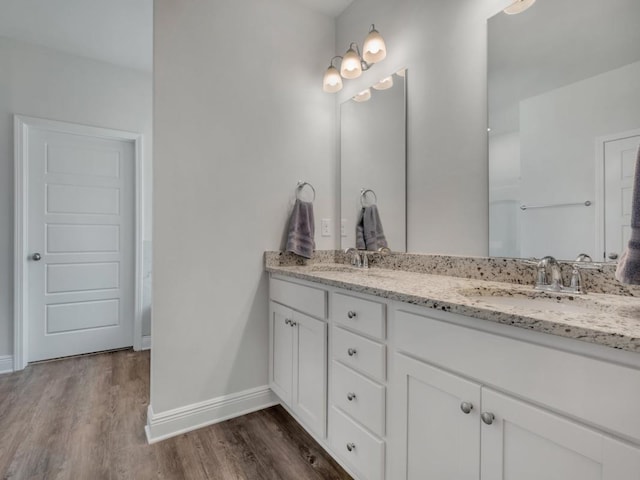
{"points": [[191, 417], [6, 363], [146, 342]]}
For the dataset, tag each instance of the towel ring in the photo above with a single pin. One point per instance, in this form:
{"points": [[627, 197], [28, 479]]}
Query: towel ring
{"points": [[301, 185], [363, 196]]}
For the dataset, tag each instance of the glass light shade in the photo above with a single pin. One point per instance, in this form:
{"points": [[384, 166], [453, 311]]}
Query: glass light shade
{"points": [[374, 48], [384, 84], [351, 67], [332, 81], [363, 96], [402, 73], [518, 6]]}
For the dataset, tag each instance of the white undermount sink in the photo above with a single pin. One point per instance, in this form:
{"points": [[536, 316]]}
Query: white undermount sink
{"points": [[535, 300]]}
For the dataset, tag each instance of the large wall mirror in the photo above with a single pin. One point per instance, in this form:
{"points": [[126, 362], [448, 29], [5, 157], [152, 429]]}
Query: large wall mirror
{"points": [[373, 161], [564, 127]]}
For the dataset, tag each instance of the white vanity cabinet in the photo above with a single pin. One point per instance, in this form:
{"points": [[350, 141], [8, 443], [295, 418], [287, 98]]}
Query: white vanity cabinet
{"points": [[401, 392], [298, 354], [452, 425]]}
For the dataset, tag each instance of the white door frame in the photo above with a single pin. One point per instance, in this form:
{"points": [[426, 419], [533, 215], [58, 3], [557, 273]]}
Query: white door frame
{"points": [[22, 124], [599, 196]]}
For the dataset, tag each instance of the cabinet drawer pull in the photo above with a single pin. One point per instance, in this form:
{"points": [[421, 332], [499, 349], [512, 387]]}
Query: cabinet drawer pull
{"points": [[351, 352], [351, 447], [488, 418], [351, 314], [351, 396], [466, 407]]}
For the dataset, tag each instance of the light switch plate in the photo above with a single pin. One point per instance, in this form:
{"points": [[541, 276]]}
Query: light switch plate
{"points": [[326, 227]]}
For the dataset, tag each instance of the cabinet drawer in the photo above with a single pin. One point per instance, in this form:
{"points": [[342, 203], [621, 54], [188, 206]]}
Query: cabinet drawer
{"points": [[358, 396], [600, 393], [365, 453], [309, 300], [360, 353], [360, 315]]}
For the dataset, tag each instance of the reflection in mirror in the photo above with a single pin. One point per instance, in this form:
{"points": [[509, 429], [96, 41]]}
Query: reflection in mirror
{"points": [[564, 127], [373, 160]]}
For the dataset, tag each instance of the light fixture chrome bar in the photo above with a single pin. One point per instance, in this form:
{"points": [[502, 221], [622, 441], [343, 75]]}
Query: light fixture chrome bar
{"points": [[586, 203]]}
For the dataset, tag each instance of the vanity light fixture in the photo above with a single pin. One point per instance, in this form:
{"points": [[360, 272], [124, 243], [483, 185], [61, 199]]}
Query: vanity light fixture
{"points": [[374, 48], [384, 84], [353, 63], [363, 96], [518, 6], [332, 81]]}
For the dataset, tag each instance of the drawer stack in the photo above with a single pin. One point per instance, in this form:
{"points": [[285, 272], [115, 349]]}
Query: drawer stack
{"points": [[358, 395]]}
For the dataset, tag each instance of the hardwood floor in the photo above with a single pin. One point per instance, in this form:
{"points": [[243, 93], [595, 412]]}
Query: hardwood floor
{"points": [[83, 418]]}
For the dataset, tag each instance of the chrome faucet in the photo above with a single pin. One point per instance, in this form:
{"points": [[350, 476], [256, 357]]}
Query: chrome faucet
{"points": [[548, 282], [576, 286], [355, 257]]}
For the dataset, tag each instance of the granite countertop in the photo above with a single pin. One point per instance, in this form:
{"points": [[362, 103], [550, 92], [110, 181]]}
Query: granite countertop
{"points": [[605, 319]]}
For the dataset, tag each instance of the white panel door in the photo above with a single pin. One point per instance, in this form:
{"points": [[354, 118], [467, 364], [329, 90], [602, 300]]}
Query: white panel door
{"points": [[440, 423], [619, 169], [528, 443], [81, 233], [310, 372]]}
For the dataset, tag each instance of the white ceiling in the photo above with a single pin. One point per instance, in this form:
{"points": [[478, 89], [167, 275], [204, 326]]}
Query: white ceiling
{"points": [[114, 31], [333, 8]]}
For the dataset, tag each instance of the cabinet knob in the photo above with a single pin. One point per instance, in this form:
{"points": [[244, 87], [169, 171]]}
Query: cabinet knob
{"points": [[351, 396], [287, 321], [351, 447], [351, 314], [351, 352], [36, 257], [488, 417], [293, 324], [466, 407]]}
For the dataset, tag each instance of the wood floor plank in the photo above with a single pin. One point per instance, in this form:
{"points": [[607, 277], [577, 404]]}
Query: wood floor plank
{"points": [[83, 418]]}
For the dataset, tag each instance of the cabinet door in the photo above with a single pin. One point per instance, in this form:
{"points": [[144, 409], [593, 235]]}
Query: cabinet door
{"points": [[525, 442], [436, 438], [310, 372], [281, 351]]}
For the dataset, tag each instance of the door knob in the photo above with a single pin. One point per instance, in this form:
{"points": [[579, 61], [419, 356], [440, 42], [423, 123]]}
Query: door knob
{"points": [[351, 314], [351, 396], [36, 257], [351, 447], [466, 407], [613, 256], [488, 418], [351, 352]]}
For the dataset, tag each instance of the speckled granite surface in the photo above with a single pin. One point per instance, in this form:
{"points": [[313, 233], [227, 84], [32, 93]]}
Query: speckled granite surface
{"points": [[605, 319], [599, 279]]}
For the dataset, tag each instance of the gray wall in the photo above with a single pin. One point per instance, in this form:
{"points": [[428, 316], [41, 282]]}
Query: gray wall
{"points": [[443, 45], [39, 82], [239, 117]]}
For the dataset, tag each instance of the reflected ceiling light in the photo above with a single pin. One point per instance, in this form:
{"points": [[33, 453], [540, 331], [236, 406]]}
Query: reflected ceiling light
{"points": [[332, 81], [384, 84], [518, 6], [374, 48], [363, 96], [353, 64]]}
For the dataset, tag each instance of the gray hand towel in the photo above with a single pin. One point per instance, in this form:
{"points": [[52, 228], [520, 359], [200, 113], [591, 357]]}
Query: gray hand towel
{"points": [[628, 270], [301, 230], [369, 231]]}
